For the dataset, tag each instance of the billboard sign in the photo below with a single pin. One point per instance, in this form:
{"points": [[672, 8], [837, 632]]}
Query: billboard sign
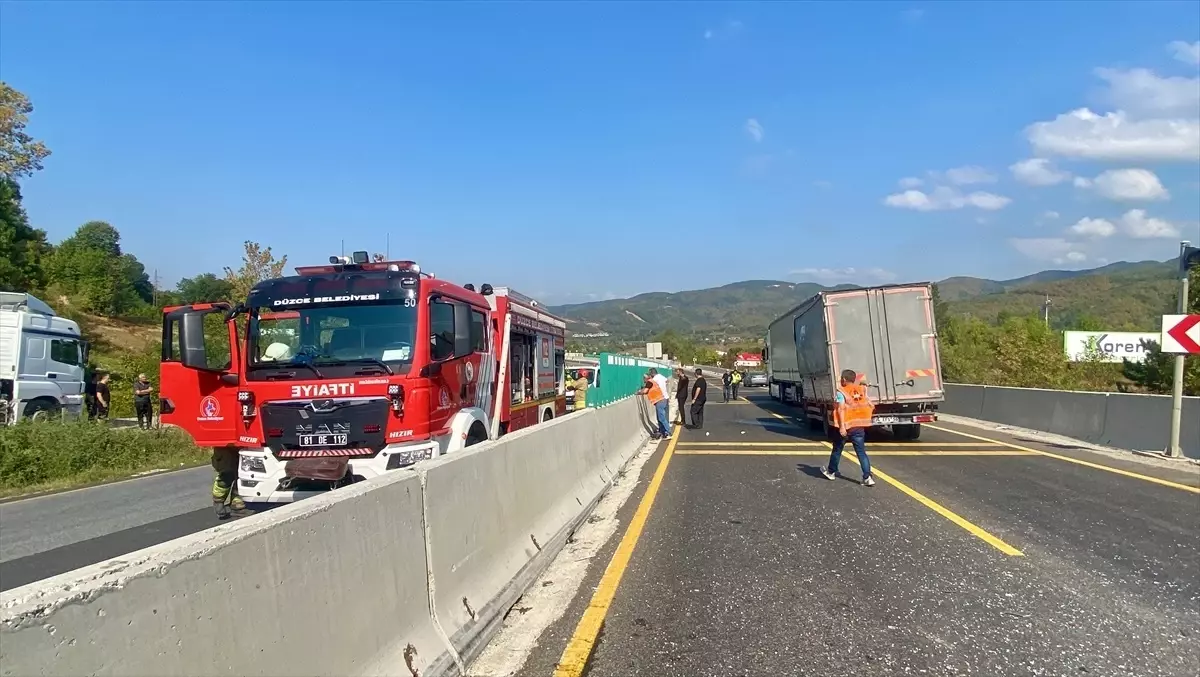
{"points": [[654, 351], [1108, 346]]}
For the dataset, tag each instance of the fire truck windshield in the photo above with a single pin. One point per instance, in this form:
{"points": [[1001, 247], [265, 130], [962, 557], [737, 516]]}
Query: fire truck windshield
{"points": [[332, 340]]}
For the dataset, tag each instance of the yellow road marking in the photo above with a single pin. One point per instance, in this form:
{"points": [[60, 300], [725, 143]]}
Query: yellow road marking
{"points": [[942, 510], [933, 505], [873, 453], [1068, 459], [750, 444], [575, 656]]}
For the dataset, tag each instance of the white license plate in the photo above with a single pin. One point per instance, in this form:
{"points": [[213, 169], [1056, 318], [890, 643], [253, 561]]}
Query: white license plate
{"points": [[325, 440], [886, 420]]}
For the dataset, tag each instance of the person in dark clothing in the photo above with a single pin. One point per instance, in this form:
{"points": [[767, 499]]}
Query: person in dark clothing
{"points": [[89, 396], [699, 397], [141, 402], [726, 384], [103, 398], [681, 395]]}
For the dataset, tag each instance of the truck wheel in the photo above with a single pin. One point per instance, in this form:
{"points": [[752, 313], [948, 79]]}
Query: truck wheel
{"points": [[907, 432], [41, 410], [476, 435]]}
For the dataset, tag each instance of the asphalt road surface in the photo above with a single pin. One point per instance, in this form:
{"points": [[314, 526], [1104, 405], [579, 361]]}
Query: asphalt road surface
{"points": [[969, 557], [49, 535]]}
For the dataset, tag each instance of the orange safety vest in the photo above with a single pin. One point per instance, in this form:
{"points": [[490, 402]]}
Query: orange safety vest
{"points": [[654, 393], [857, 410]]}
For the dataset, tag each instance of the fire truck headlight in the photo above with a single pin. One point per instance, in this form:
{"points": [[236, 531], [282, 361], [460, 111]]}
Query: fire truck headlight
{"points": [[253, 464]]}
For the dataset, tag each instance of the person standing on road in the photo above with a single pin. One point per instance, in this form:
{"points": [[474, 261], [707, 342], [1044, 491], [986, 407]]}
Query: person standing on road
{"points": [[681, 396], [141, 402], [658, 399], [852, 416], [735, 381], [726, 384], [699, 398]]}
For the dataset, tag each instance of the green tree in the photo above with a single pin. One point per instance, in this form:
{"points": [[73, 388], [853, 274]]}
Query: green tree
{"points": [[258, 264], [90, 267], [23, 249], [20, 154], [204, 287]]}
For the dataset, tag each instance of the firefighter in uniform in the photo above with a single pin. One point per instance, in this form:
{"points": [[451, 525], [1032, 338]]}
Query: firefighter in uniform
{"points": [[852, 417], [225, 467]]}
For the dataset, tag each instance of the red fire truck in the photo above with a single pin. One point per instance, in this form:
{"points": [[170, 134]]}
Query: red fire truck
{"points": [[347, 370]]}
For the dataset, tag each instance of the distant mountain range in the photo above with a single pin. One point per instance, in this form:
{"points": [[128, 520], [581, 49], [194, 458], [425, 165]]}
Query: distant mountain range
{"points": [[1120, 296]]}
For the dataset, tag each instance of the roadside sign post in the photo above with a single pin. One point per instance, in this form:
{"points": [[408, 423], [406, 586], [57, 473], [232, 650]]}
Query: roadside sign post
{"points": [[1176, 339]]}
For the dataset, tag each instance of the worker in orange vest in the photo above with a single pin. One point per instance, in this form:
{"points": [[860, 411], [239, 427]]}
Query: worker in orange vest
{"points": [[658, 399], [852, 417]]}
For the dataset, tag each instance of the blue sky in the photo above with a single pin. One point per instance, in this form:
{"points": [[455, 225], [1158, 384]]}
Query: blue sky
{"points": [[560, 148]]}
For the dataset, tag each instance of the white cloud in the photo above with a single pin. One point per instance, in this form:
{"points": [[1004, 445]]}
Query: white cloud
{"points": [[1074, 257], [1142, 93], [755, 129], [842, 275], [1082, 182], [1038, 172], [1043, 248], [968, 175], [1093, 227], [1130, 184], [943, 198], [1114, 136], [1153, 118], [1050, 215], [1138, 225], [911, 182], [1185, 52]]}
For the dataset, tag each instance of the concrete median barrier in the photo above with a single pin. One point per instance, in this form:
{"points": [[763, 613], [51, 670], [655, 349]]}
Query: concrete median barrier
{"points": [[328, 586], [496, 517], [1123, 420], [408, 574]]}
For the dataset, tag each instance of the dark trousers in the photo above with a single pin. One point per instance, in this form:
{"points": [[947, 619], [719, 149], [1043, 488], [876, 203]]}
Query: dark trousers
{"points": [[735, 390], [681, 402], [145, 413], [856, 437], [697, 415]]}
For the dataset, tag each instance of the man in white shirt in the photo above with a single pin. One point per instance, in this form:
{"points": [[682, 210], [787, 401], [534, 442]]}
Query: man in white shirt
{"points": [[659, 379]]}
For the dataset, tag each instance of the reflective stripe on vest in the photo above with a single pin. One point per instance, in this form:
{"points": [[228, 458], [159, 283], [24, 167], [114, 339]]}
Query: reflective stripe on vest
{"points": [[856, 411], [654, 393]]}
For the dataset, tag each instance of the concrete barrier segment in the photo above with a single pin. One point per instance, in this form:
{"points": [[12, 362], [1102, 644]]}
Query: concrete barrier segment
{"points": [[407, 574], [332, 585]]}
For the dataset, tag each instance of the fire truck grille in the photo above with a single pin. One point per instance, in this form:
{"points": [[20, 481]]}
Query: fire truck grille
{"points": [[356, 426]]}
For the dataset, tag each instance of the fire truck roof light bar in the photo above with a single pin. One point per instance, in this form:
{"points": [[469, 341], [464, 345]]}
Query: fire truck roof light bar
{"points": [[339, 264]]}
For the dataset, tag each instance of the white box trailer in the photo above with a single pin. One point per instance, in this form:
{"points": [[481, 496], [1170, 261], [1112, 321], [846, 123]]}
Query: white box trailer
{"points": [[42, 358], [886, 334]]}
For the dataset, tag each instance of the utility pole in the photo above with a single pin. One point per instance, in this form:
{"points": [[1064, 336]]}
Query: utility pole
{"points": [[1046, 311], [1173, 450], [156, 287]]}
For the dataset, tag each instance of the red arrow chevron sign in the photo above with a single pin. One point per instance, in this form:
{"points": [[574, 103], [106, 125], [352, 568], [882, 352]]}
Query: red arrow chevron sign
{"points": [[1181, 334]]}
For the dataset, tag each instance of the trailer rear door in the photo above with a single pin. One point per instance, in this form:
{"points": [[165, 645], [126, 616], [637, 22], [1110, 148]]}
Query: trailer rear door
{"points": [[888, 334]]}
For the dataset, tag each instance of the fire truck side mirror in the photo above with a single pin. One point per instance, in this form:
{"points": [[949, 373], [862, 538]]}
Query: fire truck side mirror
{"points": [[193, 352]]}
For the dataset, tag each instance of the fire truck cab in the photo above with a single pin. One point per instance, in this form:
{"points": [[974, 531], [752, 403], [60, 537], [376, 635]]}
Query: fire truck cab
{"points": [[345, 371]]}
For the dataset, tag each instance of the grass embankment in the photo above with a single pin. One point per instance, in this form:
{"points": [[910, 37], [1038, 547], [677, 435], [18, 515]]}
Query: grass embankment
{"points": [[51, 455]]}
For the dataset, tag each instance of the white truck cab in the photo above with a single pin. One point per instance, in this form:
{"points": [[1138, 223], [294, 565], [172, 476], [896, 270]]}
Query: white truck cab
{"points": [[42, 358]]}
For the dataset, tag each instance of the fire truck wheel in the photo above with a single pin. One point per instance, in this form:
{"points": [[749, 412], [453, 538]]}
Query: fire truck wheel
{"points": [[477, 434]]}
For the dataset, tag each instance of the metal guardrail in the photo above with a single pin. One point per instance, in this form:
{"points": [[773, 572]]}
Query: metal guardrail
{"points": [[1122, 420]]}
